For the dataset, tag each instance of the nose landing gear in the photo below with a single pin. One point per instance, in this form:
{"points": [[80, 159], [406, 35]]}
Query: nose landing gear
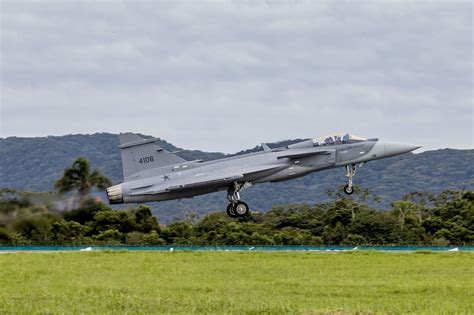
{"points": [[350, 173], [236, 207], [349, 190]]}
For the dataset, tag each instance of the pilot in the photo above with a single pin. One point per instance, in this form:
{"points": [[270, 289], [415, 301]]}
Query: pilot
{"points": [[345, 139], [329, 140]]}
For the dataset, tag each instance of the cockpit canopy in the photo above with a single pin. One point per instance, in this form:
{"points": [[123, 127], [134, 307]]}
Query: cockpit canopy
{"points": [[337, 138]]}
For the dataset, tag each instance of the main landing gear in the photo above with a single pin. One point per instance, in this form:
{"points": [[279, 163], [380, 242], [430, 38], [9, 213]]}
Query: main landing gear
{"points": [[350, 173], [236, 207]]}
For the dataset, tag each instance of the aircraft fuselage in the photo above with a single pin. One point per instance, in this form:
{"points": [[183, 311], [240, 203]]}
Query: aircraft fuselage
{"points": [[145, 183]]}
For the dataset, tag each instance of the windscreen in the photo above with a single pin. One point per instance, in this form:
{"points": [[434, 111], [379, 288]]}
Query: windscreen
{"points": [[337, 138]]}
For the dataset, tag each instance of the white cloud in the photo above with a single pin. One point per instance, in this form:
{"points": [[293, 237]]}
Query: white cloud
{"points": [[225, 76]]}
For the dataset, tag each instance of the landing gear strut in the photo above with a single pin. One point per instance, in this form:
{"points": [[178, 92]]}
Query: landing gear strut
{"points": [[236, 207], [350, 173]]}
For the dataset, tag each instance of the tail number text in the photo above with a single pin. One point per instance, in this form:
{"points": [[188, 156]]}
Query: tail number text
{"points": [[146, 159]]}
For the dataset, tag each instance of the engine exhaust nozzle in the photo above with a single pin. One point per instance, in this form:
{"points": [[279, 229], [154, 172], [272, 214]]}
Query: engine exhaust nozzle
{"points": [[115, 194]]}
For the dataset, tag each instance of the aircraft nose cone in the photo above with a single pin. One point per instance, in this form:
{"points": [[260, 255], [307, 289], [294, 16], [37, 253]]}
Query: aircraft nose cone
{"points": [[392, 148]]}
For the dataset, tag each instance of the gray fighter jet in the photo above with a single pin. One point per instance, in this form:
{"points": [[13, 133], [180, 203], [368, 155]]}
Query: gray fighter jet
{"points": [[153, 174]]}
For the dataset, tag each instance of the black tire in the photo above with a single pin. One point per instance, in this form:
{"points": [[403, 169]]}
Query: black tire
{"points": [[241, 209], [348, 191], [230, 211]]}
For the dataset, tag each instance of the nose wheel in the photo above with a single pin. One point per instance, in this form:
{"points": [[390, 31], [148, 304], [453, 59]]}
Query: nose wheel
{"points": [[350, 173], [349, 190]]}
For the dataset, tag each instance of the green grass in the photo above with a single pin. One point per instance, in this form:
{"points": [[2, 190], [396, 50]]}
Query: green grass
{"points": [[236, 282]]}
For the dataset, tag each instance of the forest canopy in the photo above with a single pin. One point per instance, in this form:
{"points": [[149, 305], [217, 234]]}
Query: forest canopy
{"points": [[418, 219]]}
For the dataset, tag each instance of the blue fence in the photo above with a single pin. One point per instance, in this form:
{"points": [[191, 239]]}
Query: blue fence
{"points": [[241, 248]]}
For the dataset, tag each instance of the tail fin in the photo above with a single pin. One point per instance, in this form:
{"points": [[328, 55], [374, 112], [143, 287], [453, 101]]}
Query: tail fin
{"points": [[139, 154]]}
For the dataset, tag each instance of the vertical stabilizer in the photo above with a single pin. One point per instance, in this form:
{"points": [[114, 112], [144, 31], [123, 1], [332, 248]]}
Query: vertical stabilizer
{"points": [[139, 154]]}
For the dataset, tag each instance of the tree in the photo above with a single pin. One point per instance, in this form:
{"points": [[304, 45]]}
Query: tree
{"points": [[112, 220], [79, 177], [405, 210], [36, 227], [362, 195], [142, 220], [68, 232], [111, 237], [178, 232], [86, 211], [5, 237]]}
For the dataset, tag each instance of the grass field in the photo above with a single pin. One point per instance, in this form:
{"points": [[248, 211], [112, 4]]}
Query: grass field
{"points": [[236, 282]]}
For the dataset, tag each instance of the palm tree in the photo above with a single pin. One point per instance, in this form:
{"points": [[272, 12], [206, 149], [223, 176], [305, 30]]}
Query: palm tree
{"points": [[79, 177]]}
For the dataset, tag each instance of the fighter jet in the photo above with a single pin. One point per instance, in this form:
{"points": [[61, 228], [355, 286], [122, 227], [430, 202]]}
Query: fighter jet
{"points": [[152, 173]]}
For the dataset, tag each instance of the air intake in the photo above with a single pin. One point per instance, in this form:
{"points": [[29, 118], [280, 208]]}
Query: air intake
{"points": [[115, 194]]}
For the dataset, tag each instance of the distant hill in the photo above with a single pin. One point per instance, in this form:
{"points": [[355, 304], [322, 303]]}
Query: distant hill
{"points": [[35, 163]]}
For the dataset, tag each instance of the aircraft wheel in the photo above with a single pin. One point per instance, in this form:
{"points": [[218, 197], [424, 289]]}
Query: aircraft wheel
{"points": [[349, 190], [241, 209], [230, 211]]}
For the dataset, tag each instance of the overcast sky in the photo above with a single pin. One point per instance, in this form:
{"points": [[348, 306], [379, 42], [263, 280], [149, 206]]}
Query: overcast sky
{"points": [[224, 76]]}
